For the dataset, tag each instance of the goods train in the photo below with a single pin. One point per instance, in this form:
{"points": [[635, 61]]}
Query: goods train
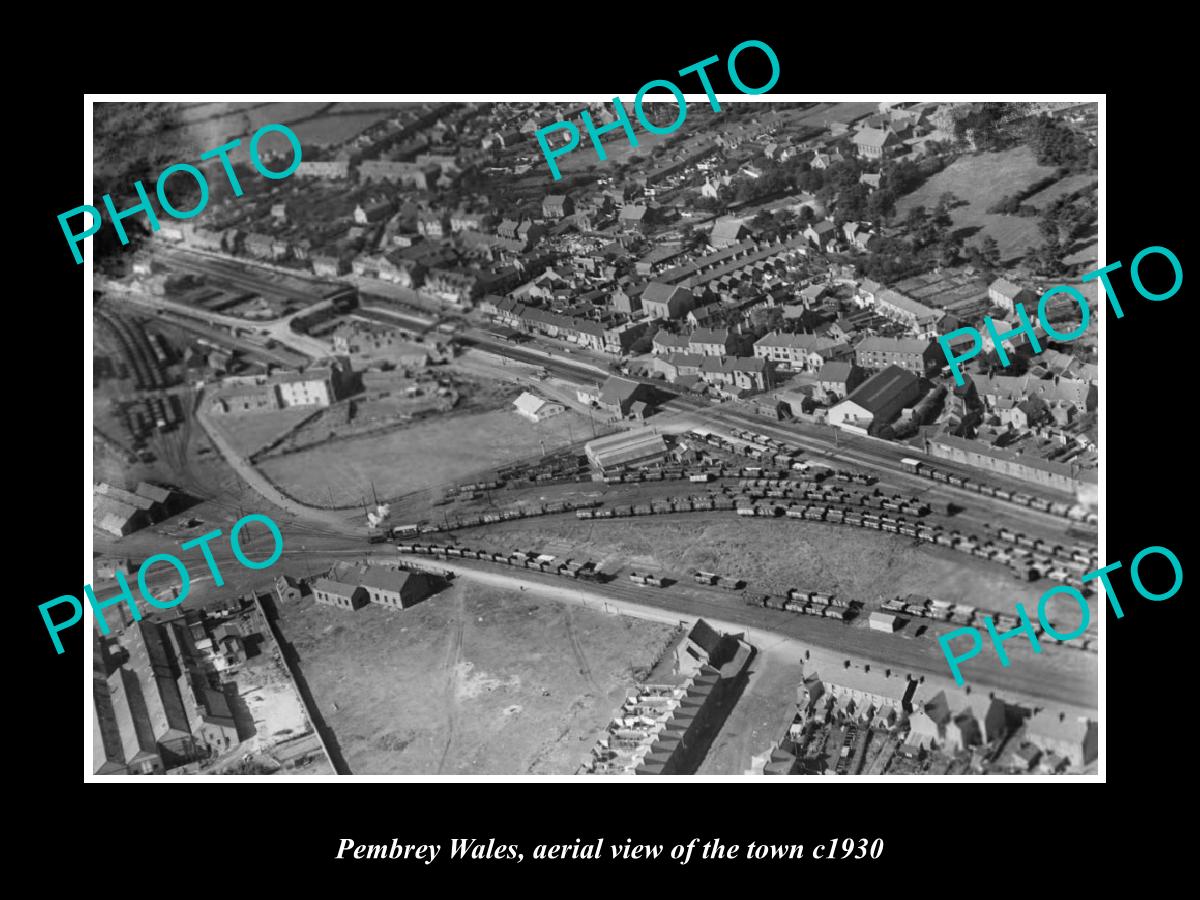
{"points": [[1057, 508]]}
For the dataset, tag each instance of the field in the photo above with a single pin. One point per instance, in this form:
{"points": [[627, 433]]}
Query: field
{"points": [[824, 114], [981, 180], [771, 555], [1060, 188], [474, 680], [420, 456], [250, 432]]}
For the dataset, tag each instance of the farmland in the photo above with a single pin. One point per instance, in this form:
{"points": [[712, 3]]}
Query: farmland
{"points": [[981, 180], [474, 680]]}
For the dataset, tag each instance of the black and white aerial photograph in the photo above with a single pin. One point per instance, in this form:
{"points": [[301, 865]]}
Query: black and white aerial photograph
{"points": [[747, 449]]}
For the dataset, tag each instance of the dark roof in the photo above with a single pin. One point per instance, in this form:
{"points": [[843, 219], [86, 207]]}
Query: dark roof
{"points": [[705, 636], [835, 371], [877, 392], [657, 292], [617, 390]]}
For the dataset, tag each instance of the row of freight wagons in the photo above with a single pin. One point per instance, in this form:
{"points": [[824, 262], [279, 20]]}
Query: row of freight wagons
{"points": [[657, 507], [1056, 508], [802, 606], [961, 614], [519, 559], [1023, 568], [516, 512], [896, 503]]}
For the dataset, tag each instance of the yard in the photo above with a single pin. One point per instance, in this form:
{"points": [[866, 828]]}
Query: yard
{"points": [[981, 180], [437, 452], [772, 555], [475, 680]]}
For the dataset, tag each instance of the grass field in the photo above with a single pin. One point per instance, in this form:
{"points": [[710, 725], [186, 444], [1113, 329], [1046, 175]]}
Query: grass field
{"points": [[1060, 188], [251, 432], [474, 680], [420, 456], [981, 180], [824, 114]]}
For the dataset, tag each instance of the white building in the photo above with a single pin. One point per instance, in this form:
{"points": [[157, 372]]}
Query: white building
{"points": [[535, 409]]}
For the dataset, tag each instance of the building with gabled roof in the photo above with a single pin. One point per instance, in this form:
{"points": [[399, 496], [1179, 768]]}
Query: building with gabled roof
{"points": [[875, 143], [535, 408], [640, 445], [1006, 295], [878, 401], [916, 355], [1072, 737], [335, 593], [727, 232], [395, 587], [664, 301], [806, 352]]}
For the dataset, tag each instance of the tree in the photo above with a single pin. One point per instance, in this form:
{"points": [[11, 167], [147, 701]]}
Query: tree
{"points": [[990, 251], [880, 205]]}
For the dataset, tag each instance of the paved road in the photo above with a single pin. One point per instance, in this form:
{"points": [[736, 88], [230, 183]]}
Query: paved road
{"points": [[1058, 674]]}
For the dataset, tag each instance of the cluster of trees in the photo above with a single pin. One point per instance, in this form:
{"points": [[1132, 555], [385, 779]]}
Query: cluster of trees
{"points": [[1056, 144], [986, 126], [1048, 258], [771, 183], [930, 242], [1071, 215], [996, 126]]}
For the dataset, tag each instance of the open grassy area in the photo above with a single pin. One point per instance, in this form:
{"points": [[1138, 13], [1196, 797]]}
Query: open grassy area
{"points": [[475, 680], [250, 432], [419, 456], [981, 180], [824, 114], [1061, 188]]}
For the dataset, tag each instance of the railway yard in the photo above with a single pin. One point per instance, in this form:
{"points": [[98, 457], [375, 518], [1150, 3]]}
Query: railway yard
{"points": [[789, 535]]}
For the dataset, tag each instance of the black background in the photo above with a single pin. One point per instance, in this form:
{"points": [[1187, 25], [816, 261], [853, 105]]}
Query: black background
{"points": [[934, 833]]}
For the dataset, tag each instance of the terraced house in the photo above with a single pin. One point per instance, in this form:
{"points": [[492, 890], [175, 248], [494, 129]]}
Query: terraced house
{"points": [[916, 355], [803, 352]]}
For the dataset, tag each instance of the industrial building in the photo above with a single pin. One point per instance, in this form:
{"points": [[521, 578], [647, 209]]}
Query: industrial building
{"points": [[639, 446], [877, 402]]}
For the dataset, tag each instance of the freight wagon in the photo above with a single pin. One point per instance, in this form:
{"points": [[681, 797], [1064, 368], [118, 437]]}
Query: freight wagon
{"points": [[651, 580]]}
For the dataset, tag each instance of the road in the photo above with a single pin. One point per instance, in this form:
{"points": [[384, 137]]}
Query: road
{"points": [[1057, 674]]}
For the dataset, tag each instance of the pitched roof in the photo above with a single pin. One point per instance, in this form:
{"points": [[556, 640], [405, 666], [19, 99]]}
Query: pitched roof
{"points": [[336, 588], [617, 390], [1007, 288], [385, 579], [918, 346], [873, 137], [529, 403], [877, 392], [838, 371], [657, 292], [1047, 724], [727, 229], [710, 336], [810, 343]]}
